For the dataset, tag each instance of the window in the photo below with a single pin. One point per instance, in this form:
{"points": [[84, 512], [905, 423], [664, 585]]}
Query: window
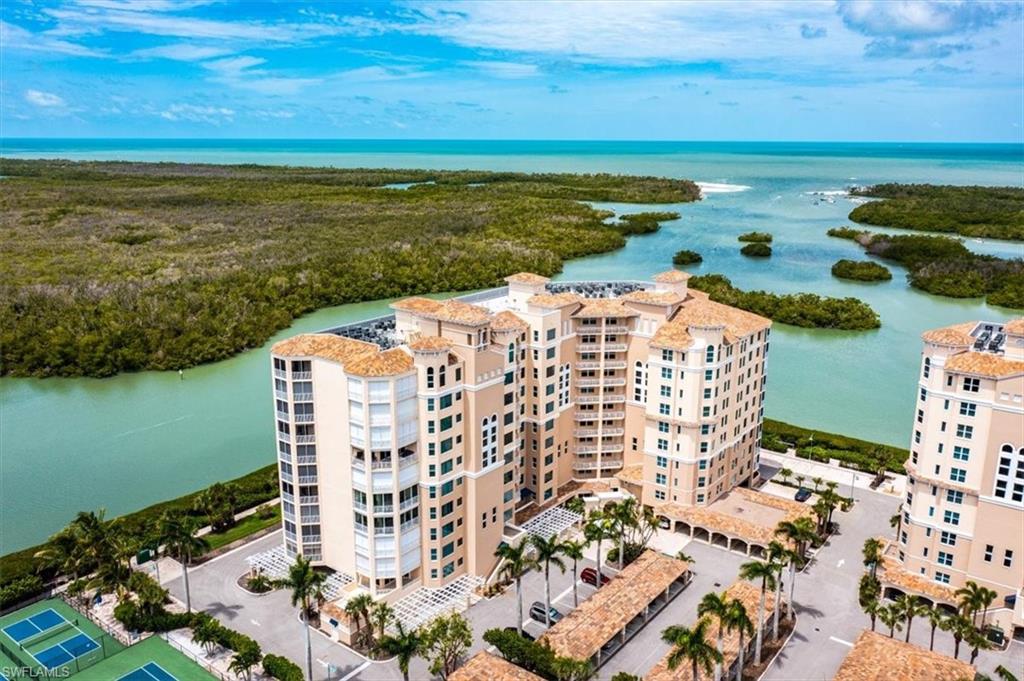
{"points": [[662, 444], [945, 559], [709, 354], [941, 577], [666, 373], [951, 517], [664, 409], [1007, 558], [666, 355], [964, 431], [988, 553], [947, 538], [659, 495], [659, 478], [968, 409], [662, 462], [954, 496], [666, 391], [961, 453], [927, 367], [430, 377], [662, 426], [1009, 481], [924, 394], [957, 474], [972, 385]]}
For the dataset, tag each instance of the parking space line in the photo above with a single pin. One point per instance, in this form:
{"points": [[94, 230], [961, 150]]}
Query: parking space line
{"points": [[355, 671], [839, 640]]}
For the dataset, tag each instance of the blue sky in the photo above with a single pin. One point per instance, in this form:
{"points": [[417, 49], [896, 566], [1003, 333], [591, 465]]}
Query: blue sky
{"points": [[830, 70]]}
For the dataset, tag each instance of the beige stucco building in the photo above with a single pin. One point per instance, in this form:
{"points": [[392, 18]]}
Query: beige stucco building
{"points": [[963, 515], [407, 443]]}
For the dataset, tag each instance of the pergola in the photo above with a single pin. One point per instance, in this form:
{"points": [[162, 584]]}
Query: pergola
{"points": [[551, 522], [275, 564], [424, 604]]}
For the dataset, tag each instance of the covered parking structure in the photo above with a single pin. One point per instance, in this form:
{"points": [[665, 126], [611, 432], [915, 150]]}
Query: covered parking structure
{"points": [[602, 624], [744, 520], [876, 657], [750, 596], [487, 667], [897, 581]]}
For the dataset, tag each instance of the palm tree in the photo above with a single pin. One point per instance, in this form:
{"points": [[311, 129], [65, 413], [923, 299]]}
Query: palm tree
{"points": [[548, 551], [740, 621], [778, 556], [404, 645], [573, 550], [304, 582], [753, 571], [576, 505], [896, 522], [785, 474], [872, 608], [717, 606], [358, 610], [799, 532], [892, 618], [817, 483], [973, 598], [381, 615], [686, 558], [909, 606], [597, 529], [244, 659], [63, 552], [178, 535], [1005, 674], [872, 552], [517, 562], [800, 480], [978, 642], [935, 618], [115, 568], [829, 501], [569, 669], [691, 644], [206, 632], [959, 626]]}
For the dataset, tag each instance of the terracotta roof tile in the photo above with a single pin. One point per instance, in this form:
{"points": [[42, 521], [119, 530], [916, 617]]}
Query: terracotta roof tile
{"points": [[750, 596], [487, 667], [892, 572], [324, 345], [604, 307], [430, 344], [451, 310], [984, 364], [876, 657], [587, 628], [387, 363], [508, 321], [416, 304], [527, 278], [1014, 326], [633, 474], [703, 313], [752, 527], [672, 335], [671, 277], [958, 335], [554, 300], [653, 297]]}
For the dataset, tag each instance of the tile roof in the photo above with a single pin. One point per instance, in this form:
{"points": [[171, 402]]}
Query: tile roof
{"points": [[957, 335], [750, 596], [430, 344], [704, 313], [604, 307], [416, 304], [746, 529], [633, 474], [892, 572], [653, 297], [671, 277], [984, 364], [506, 321], [487, 667], [387, 363], [451, 310], [876, 657], [554, 300], [672, 335], [324, 345], [527, 278], [1014, 326], [587, 628]]}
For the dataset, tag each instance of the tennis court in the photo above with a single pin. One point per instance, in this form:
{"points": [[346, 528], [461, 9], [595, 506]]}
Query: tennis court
{"points": [[150, 671]]}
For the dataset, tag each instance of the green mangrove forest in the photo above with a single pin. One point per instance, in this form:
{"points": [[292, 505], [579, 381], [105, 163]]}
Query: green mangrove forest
{"points": [[994, 212], [861, 270], [687, 257], [806, 310], [110, 267], [757, 249], [755, 238], [943, 266]]}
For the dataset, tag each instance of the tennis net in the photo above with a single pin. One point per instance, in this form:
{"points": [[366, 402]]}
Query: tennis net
{"points": [[48, 633]]}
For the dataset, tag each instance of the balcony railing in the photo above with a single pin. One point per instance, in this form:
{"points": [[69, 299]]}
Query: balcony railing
{"points": [[359, 505], [383, 531], [288, 497], [598, 399], [305, 439], [605, 432], [407, 461], [311, 539], [308, 519], [310, 499], [410, 524], [281, 394], [381, 465], [597, 416], [384, 508], [287, 477], [595, 364], [602, 380], [307, 458], [603, 448], [303, 397], [361, 529], [616, 329], [303, 418], [307, 479], [283, 415], [594, 465], [280, 373], [302, 375], [409, 503], [599, 347]]}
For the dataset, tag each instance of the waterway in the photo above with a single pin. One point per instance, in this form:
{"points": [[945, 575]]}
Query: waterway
{"points": [[128, 441]]}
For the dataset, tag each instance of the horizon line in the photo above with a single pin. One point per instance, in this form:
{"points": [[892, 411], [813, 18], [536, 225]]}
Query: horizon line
{"points": [[7, 140]]}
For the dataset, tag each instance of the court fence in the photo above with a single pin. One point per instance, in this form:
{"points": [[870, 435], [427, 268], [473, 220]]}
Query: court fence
{"points": [[119, 636], [46, 655], [195, 658]]}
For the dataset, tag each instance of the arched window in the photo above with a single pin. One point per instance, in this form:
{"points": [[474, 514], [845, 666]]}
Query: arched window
{"points": [[440, 376], [430, 377], [511, 352], [709, 355], [489, 440], [927, 366], [1009, 482]]}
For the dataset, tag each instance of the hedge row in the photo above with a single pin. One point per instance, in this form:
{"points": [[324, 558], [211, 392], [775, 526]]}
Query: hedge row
{"points": [[818, 445]]}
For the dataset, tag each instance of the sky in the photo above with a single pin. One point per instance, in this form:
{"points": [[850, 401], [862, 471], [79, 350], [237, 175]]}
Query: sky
{"points": [[857, 70]]}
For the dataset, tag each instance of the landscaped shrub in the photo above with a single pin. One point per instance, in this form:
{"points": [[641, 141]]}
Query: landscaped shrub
{"points": [[817, 445], [134, 619], [20, 589], [756, 237], [685, 257], [282, 668], [757, 250]]}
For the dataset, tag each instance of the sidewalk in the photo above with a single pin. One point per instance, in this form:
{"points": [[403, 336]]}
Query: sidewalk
{"points": [[894, 485]]}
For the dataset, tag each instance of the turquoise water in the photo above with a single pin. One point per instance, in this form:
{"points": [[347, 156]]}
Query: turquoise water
{"points": [[127, 441]]}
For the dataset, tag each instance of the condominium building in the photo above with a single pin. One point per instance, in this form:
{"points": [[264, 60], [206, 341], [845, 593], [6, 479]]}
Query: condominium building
{"points": [[407, 443], [963, 515]]}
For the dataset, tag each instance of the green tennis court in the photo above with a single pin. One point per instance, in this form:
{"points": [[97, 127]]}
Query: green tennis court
{"points": [[152, 660]]}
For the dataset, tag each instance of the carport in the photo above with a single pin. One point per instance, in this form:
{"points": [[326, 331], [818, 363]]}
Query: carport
{"points": [[602, 624]]}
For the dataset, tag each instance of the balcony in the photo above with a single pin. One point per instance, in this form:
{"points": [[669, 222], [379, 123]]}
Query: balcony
{"points": [[609, 381], [311, 539], [605, 432], [303, 418], [601, 347], [605, 464], [308, 519], [602, 448], [409, 503], [597, 416], [281, 394], [407, 461], [302, 375], [384, 531], [286, 477], [307, 479], [280, 373], [307, 458], [361, 529], [599, 399], [303, 397], [315, 499], [616, 329], [384, 509], [381, 465], [305, 439], [283, 415], [595, 364], [410, 524], [288, 497], [359, 505]]}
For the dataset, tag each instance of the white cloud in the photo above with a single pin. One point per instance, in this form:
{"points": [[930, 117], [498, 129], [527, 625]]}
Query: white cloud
{"points": [[504, 69], [181, 52], [45, 99], [214, 115], [234, 65], [14, 37]]}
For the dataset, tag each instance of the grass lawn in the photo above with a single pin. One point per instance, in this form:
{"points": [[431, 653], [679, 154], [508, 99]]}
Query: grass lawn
{"points": [[243, 528]]}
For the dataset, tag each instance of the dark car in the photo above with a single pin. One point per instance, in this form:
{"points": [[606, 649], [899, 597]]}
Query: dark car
{"points": [[802, 494], [537, 613], [589, 576], [525, 634]]}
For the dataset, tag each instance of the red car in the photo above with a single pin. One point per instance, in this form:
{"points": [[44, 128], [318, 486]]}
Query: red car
{"points": [[589, 576]]}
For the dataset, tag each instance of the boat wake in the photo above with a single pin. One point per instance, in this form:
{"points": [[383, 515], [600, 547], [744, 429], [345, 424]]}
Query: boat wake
{"points": [[721, 188]]}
